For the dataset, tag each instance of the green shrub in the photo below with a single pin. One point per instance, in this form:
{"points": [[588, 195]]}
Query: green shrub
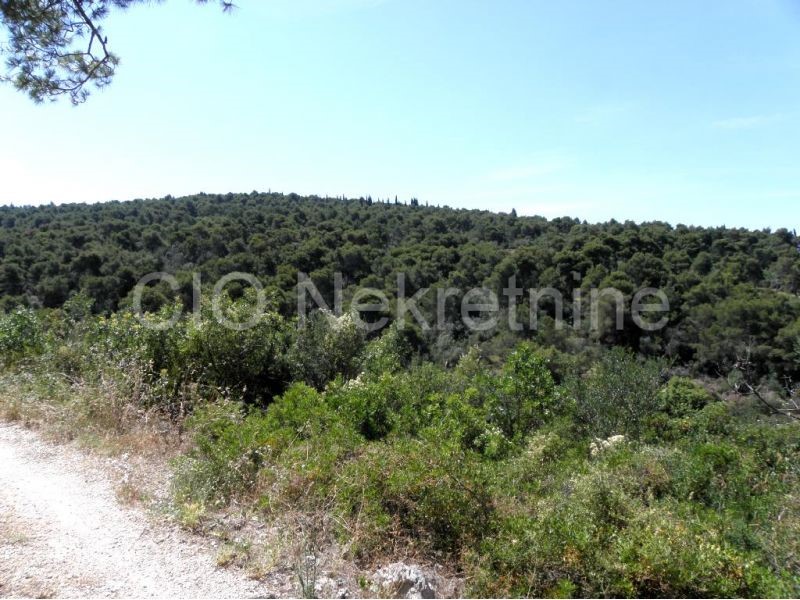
{"points": [[308, 444], [251, 364], [21, 335], [125, 338], [228, 450], [683, 396], [290, 450], [780, 542], [714, 419], [712, 474], [136, 348], [388, 353], [526, 396], [544, 464], [326, 346], [667, 555], [428, 492], [379, 404], [618, 396], [597, 537], [370, 407], [544, 541]]}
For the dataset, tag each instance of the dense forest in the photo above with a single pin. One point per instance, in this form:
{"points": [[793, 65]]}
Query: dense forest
{"points": [[555, 462], [730, 290]]}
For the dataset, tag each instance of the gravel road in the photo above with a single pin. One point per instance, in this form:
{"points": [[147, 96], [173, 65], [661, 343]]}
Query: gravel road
{"points": [[64, 533]]}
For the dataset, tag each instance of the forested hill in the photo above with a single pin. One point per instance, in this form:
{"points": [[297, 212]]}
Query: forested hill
{"points": [[729, 289]]}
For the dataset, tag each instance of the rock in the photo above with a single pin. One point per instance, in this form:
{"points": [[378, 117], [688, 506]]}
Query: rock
{"points": [[598, 446], [400, 580], [327, 587]]}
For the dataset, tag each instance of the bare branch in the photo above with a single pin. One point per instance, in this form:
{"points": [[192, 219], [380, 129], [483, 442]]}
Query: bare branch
{"points": [[747, 387]]}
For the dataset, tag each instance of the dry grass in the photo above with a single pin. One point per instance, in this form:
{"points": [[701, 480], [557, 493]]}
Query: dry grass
{"points": [[131, 494], [104, 416], [10, 535]]}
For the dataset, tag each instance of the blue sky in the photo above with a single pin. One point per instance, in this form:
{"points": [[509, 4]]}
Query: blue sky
{"points": [[681, 111]]}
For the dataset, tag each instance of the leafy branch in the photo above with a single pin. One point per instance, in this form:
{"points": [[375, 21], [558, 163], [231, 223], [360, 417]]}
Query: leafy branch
{"points": [[58, 47]]}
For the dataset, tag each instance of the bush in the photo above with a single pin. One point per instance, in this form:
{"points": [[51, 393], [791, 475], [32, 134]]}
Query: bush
{"points": [[667, 555], [683, 396], [21, 335], [228, 450], [326, 346], [380, 404], [713, 474], [618, 396], [308, 443], [527, 397], [387, 354], [288, 452], [138, 350], [370, 407], [598, 535], [124, 338], [429, 492], [251, 364]]}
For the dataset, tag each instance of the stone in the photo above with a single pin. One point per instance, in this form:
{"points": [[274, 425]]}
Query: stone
{"points": [[399, 580]]}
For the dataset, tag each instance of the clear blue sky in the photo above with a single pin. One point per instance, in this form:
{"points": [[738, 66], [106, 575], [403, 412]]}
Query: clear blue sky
{"points": [[682, 111]]}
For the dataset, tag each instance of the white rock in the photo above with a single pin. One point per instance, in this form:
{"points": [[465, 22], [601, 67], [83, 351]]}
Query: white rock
{"points": [[400, 580], [327, 587]]}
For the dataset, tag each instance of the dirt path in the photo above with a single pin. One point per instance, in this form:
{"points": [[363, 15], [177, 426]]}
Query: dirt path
{"points": [[63, 533]]}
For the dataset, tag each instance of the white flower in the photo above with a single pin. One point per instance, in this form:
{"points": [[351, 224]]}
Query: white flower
{"points": [[598, 445]]}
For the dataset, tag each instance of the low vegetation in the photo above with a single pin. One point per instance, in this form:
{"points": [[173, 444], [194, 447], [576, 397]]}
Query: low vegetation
{"points": [[534, 474]]}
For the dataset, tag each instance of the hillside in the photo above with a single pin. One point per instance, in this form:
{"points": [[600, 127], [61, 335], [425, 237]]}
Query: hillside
{"points": [[729, 289], [546, 457]]}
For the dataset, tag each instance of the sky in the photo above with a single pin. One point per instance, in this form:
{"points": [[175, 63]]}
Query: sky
{"points": [[679, 111]]}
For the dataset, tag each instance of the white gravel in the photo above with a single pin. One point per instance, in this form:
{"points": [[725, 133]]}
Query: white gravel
{"points": [[64, 533]]}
